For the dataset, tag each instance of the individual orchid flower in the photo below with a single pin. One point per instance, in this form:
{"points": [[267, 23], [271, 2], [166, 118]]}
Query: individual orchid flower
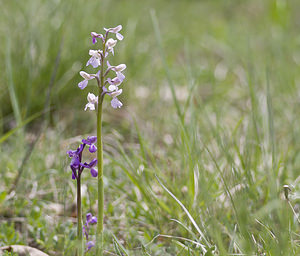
{"points": [[89, 165], [115, 31], [95, 36], [86, 77], [92, 101], [118, 69], [115, 93], [110, 44], [115, 103], [90, 219], [95, 59], [115, 81], [91, 140]]}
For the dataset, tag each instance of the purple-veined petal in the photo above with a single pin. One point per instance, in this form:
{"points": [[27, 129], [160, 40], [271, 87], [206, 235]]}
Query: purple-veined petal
{"points": [[75, 163], [92, 148], [120, 68], [120, 76], [116, 93], [115, 103], [91, 139], [95, 62], [94, 172], [71, 153], [90, 165], [119, 36], [114, 81], [83, 84], [114, 30], [86, 76], [93, 163]]}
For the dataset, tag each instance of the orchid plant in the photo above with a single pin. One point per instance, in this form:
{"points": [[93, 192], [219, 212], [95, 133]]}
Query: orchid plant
{"points": [[106, 86], [77, 167]]}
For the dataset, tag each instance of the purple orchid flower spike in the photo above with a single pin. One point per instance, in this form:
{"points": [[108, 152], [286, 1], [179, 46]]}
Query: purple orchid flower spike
{"points": [[90, 219], [76, 164], [115, 31]]}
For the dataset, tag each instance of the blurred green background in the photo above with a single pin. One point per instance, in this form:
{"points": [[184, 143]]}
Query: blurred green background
{"points": [[224, 145]]}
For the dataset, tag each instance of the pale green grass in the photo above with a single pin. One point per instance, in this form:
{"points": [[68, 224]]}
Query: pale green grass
{"points": [[196, 160]]}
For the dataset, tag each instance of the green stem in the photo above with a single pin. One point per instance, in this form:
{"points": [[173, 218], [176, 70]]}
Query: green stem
{"points": [[99, 247], [99, 235], [79, 220]]}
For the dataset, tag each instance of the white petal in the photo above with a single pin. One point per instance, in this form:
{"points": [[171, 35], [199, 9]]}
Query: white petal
{"points": [[112, 87], [94, 53], [116, 29], [111, 43], [91, 97], [91, 106], [120, 68], [85, 75], [116, 93], [120, 76], [119, 36]]}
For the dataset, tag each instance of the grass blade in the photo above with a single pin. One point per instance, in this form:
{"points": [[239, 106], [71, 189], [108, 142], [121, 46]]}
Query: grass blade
{"points": [[187, 213]]}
